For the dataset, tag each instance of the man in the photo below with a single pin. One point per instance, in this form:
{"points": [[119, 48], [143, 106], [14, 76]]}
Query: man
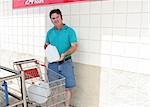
{"points": [[64, 39]]}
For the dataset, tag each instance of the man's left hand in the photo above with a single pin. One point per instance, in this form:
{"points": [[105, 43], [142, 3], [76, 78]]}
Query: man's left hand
{"points": [[62, 57]]}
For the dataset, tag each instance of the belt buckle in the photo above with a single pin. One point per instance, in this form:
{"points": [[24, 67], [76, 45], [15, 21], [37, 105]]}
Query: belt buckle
{"points": [[61, 62]]}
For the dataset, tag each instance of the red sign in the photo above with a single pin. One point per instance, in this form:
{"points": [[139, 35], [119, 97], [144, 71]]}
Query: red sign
{"points": [[26, 3]]}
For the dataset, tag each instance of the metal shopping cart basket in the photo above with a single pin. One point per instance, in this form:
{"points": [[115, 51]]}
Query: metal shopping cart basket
{"points": [[40, 90]]}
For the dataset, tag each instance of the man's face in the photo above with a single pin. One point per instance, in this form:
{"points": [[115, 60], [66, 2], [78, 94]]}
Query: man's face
{"points": [[56, 19]]}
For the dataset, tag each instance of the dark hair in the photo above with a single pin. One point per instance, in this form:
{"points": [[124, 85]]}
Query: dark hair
{"points": [[55, 11]]}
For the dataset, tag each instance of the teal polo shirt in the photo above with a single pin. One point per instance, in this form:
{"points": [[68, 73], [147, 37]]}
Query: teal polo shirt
{"points": [[62, 38]]}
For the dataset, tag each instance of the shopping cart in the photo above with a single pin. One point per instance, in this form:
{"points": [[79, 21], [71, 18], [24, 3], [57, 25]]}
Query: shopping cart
{"points": [[41, 90]]}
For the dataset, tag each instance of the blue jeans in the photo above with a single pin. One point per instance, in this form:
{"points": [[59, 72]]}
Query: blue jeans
{"points": [[65, 69]]}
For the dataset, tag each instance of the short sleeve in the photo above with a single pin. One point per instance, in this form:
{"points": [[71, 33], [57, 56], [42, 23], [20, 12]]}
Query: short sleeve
{"points": [[72, 36], [47, 41]]}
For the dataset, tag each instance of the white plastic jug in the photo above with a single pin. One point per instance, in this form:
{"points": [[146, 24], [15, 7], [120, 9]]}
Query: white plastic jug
{"points": [[39, 93], [52, 54]]}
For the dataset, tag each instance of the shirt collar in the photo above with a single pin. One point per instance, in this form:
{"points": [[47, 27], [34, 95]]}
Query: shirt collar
{"points": [[64, 27]]}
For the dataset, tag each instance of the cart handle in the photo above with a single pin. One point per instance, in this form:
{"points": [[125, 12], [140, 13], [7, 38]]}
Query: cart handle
{"points": [[29, 61], [24, 61], [38, 62]]}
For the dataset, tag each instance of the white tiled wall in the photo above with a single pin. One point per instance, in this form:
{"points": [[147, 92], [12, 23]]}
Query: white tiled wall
{"points": [[123, 31], [24, 30]]}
